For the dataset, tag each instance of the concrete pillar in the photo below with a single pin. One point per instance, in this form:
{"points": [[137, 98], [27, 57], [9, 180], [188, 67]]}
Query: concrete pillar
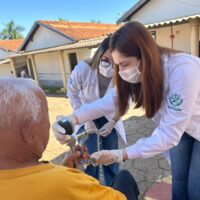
{"points": [[34, 69], [28, 65], [12, 62], [62, 68], [194, 24]]}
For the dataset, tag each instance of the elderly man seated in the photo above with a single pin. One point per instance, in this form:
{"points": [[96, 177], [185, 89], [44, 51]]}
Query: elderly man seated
{"points": [[24, 134]]}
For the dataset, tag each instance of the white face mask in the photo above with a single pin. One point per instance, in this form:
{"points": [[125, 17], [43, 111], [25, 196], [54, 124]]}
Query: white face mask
{"points": [[106, 71], [131, 75]]}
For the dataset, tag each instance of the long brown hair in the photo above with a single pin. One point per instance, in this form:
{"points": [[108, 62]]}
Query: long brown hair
{"points": [[134, 40], [103, 47]]}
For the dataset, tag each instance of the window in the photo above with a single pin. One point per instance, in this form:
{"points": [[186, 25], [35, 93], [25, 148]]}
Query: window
{"points": [[153, 33], [72, 60]]}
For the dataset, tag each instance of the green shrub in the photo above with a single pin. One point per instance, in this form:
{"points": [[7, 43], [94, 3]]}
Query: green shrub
{"points": [[54, 90]]}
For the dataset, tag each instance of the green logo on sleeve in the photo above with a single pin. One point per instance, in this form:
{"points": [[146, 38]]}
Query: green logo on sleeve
{"points": [[174, 102]]}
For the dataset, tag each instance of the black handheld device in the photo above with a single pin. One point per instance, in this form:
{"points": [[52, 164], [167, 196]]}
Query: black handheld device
{"points": [[67, 125]]}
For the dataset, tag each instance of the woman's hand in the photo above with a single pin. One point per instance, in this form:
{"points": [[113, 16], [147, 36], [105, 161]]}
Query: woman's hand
{"points": [[59, 131], [107, 157], [107, 128]]}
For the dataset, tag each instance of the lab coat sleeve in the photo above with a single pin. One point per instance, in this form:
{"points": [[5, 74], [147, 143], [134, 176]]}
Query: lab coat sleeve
{"points": [[74, 86], [99, 108], [183, 89]]}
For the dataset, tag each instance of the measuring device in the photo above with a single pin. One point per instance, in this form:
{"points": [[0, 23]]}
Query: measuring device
{"points": [[78, 138]]}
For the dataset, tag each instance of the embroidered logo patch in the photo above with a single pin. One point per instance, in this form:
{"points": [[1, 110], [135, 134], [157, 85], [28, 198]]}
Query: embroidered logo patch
{"points": [[174, 102]]}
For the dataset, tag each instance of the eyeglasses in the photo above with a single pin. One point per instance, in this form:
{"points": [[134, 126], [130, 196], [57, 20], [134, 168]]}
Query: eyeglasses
{"points": [[106, 63]]}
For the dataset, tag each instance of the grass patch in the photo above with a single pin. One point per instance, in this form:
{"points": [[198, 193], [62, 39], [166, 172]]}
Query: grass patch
{"points": [[54, 90]]}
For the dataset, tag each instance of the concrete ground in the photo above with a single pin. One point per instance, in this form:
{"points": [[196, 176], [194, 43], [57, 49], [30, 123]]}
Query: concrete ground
{"points": [[149, 173]]}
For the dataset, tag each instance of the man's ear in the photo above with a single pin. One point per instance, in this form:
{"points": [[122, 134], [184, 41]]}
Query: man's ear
{"points": [[28, 131]]}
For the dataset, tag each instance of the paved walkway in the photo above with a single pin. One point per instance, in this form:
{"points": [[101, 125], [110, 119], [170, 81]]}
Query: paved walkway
{"points": [[147, 172]]}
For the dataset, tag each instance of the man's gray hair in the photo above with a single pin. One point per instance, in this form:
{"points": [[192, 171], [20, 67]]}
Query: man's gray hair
{"points": [[18, 101]]}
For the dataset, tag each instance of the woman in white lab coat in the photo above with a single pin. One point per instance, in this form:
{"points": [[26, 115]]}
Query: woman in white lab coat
{"points": [[166, 84], [90, 80]]}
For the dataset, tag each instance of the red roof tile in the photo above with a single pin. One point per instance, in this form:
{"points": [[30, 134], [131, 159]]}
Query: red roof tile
{"points": [[11, 45], [81, 30]]}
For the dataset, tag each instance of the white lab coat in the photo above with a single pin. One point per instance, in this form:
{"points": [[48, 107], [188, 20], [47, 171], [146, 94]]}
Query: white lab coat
{"points": [[83, 88], [179, 112]]}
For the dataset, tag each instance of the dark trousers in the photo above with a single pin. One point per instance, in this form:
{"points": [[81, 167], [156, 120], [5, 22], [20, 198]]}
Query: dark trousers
{"points": [[126, 184], [108, 143], [185, 167]]}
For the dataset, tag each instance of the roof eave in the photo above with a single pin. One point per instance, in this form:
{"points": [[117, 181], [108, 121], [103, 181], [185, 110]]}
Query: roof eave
{"points": [[26, 40], [180, 20], [77, 45], [4, 49], [55, 30], [34, 29], [127, 15]]}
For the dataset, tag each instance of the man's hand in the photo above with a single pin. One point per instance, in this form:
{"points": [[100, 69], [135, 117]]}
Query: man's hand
{"points": [[107, 128], [107, 157], [75, 157]]}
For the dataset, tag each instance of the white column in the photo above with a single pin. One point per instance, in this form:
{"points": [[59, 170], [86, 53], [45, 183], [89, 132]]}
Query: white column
{"points": [[12, 62], [28, 65], [194, 24], [34, 69], [62, 68]]}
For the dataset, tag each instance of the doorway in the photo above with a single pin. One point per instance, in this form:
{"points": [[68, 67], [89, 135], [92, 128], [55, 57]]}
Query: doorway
{"points": [[72, 60]]}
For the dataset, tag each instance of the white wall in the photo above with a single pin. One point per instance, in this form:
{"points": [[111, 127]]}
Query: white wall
{"points": [[181, 39], [48, 66], [84, 53], [48, 69], [162, 10], [5, 69], [81, 54], [20, 61], [3, 54], [182, 35], [93, 50], [44, 38]]}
